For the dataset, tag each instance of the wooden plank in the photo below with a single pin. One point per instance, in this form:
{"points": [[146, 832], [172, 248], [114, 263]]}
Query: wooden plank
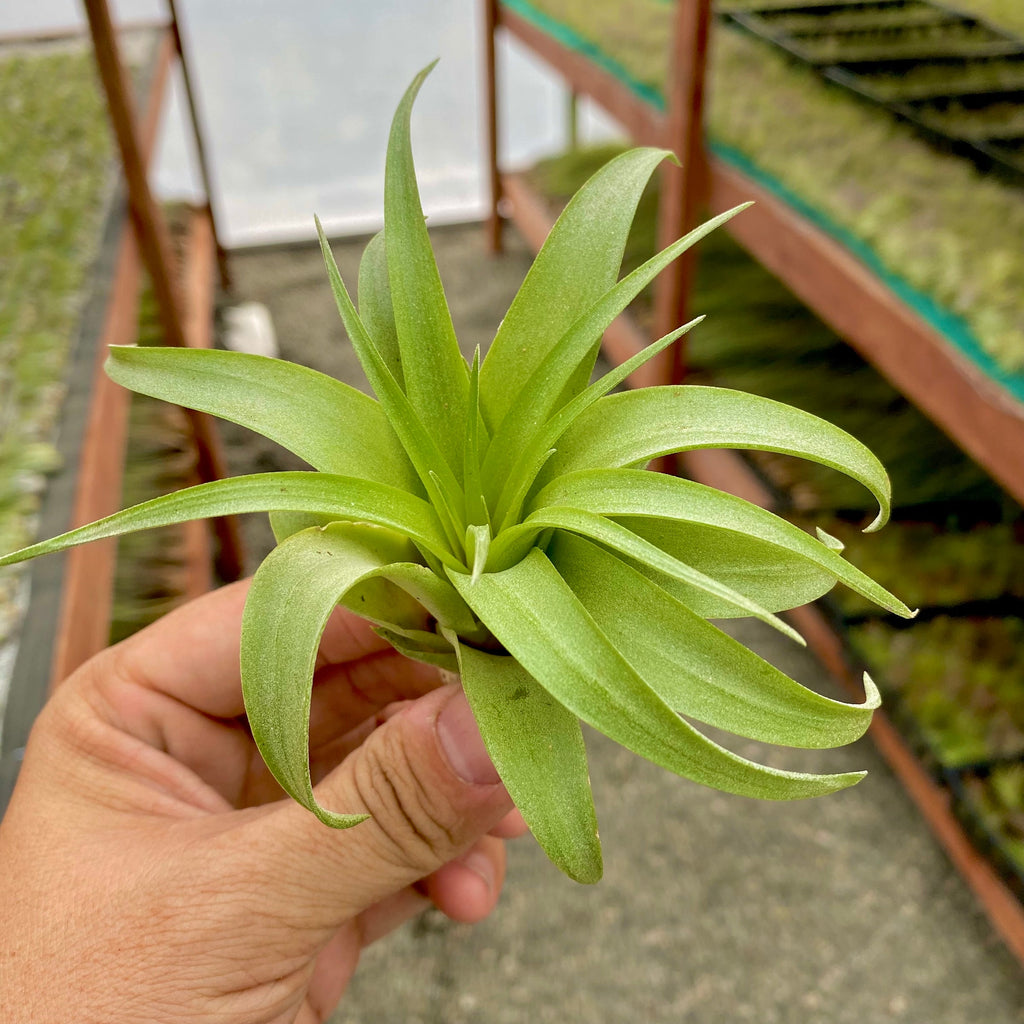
{"points": [[154, 242], [976, 414], [84, 621], [682, 186], [493, 223], [198, 272], [640, 119], [1001, 906], [199, 266]]}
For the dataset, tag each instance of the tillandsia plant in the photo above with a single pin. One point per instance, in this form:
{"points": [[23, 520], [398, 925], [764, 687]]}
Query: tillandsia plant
{"points": [[496, 519]]}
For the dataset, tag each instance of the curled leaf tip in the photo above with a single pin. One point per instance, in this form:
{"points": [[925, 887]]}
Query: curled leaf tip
{"points": [[879, 521], [339, 820], [872, 695], [832, 543]]}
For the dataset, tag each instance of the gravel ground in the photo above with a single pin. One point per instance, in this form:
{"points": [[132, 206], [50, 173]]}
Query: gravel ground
{"points": [[713, 908]]}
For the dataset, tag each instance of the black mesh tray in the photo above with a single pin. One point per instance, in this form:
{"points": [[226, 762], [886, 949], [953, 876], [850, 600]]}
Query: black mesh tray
{"points": [[957, 79]]}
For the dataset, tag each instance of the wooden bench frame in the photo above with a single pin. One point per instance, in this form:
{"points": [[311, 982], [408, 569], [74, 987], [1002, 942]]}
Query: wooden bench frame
{"points": [[986, 423]]}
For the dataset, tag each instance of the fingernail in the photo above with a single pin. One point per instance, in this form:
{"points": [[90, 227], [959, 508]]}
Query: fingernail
{"points": [[481, 866], [461, 742]]}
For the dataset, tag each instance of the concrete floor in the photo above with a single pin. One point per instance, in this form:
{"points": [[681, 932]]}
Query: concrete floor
{"points": [[713, 908]]}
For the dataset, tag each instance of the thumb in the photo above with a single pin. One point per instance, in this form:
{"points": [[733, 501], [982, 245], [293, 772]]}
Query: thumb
{"points": [[431, 791]]}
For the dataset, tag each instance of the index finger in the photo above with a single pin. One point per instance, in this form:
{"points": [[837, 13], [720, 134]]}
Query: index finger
{"points": [[191, 654]]}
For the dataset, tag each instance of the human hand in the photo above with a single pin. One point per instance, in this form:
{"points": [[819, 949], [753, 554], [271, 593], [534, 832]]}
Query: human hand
{"points": [[153, 872]]}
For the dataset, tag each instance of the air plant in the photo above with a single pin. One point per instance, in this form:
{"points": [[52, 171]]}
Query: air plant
{"points": [[496, 519]]}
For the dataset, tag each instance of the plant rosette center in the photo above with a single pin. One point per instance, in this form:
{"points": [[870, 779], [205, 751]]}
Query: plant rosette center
{"points": [[495, 518]]}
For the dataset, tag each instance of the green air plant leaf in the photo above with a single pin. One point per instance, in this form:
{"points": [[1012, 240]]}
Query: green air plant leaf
{"points": [[496, 519]]}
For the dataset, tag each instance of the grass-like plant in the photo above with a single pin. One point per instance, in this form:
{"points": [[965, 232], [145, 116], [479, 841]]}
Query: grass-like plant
{"points": [[495, 519]]}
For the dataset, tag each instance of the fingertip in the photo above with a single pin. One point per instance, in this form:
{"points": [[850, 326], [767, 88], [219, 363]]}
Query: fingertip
{"points": [[467, 889]]}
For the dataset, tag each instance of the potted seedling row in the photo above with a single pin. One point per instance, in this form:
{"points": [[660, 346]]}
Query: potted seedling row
{"points": [[977, 120], [729, 7], [956, 685], [932, 227], [936, 80], [862, 18], [868, 49], [151, 572], [990, 804], [960, 39], [939, 564], [494, 518]]}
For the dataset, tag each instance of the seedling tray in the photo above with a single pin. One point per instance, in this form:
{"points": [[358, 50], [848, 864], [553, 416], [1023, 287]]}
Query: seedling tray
{"points": [[835, 39], [956, 78], [934, 80], [989, 801], [950, 565], [741, 6], [859, 18], [982, 120], [954, 686]]}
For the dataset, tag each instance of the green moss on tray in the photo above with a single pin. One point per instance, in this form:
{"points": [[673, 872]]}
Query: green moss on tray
{"points": [[995, 800], [1006, 14], [741, 6], [913, 43], [935, 566], [159, 458], [961, 681], [924, 81], [1002, 120], [55, 177], [860, 18], [930, 218]]}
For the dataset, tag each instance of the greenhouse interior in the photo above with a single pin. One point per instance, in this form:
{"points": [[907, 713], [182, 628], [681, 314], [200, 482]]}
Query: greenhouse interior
{"points": [[749, 505]]}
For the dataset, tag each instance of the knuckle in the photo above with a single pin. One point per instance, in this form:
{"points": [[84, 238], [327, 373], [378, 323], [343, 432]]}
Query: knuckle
{"points": [[418, 825]]}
